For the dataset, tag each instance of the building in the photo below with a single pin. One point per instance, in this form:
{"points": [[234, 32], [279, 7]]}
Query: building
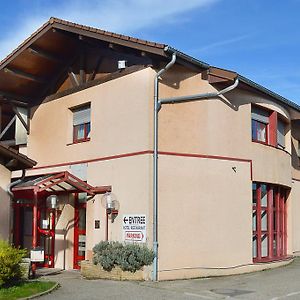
{"points": [[228, 173], [10, 160]]}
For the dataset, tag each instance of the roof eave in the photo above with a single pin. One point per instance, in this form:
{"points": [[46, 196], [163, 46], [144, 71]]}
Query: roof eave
{"points": [[268, 92], [190, 59], [23, 161]]}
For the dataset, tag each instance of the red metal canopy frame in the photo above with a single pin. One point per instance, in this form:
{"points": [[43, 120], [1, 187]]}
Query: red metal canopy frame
{"points": [[55, 183], [58, 183]]}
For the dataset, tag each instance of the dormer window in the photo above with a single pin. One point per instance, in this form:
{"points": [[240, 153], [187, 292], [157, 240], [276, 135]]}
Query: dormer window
{"points": [[81, 123]]}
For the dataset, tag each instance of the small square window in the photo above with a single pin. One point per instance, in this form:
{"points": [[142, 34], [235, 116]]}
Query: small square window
{"points": [[81, 124]]}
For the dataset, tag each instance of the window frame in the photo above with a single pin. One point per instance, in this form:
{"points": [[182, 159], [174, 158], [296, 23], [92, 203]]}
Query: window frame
{"points": [[276, 232], [271, 127], [267, 132], [267, 141], [86, 133], [86, 125], [283, 122]]}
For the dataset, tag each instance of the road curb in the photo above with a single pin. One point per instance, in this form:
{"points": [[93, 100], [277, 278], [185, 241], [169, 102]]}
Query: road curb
{"points": [[56, 286]]}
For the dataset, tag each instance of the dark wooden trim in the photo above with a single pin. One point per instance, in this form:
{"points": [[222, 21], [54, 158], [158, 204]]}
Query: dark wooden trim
{"points": [[25, 44], [59, 79], [82, 74], [24, 75], [45, 54], [13, 98], [73, 78], [25, 124], [98, 63], [111, 39], [95, 82], [2, 133], [12, 153]]}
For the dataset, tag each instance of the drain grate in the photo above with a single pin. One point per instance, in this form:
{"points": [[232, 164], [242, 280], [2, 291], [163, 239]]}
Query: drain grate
{"points": [[231, 292]]}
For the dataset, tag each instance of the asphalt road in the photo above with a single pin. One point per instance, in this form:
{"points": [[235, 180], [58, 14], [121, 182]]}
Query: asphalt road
{"points": [[276, 284]]}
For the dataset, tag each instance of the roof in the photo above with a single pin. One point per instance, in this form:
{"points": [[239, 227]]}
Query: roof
{"points": [[55, 22], [13, 159], [59, 182], [48, 37]]}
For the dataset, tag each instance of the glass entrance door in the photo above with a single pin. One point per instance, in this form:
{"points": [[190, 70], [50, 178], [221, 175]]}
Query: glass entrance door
{"points": [[79, 229]]}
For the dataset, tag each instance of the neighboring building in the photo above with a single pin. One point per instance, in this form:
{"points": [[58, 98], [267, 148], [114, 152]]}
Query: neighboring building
{"points": [[228, 175], [10, 160]]}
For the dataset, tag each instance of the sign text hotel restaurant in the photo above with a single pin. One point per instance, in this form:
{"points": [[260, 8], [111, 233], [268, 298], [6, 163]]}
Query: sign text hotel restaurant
{"points": [[134, 228]]}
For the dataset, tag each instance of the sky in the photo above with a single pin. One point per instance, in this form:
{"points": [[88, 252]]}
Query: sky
{"points": [[258, 39]]}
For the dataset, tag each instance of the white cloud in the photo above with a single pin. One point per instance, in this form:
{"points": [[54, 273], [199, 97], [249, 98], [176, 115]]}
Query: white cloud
{"points": [[114, 15], [221, 43]]}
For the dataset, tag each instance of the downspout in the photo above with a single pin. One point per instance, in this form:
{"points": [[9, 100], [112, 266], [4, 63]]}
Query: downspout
{"points": [[155, 164], [198, 97], [12, 184], [157, 105]]}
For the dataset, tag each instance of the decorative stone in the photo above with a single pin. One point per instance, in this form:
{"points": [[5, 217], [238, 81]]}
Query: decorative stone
{"points": [[91, 271], [25, 267]]}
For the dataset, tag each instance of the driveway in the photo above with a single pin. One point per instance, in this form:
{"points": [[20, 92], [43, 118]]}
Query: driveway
{"points": [[281, 283]]}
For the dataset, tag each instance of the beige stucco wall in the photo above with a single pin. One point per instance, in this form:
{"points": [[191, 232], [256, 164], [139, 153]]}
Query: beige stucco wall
{"points": [[64, 234], [220, 127], [119, 122], [205, 213], [131, 183], [204, 205], [4, 203], [295, 196]]}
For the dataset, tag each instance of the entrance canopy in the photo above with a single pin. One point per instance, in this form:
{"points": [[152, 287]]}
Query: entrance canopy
{"points": [[58, 183]]}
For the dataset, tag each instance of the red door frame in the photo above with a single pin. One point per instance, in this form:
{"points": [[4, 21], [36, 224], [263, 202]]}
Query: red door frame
{"points": [[47, 233], [17, 220], [276, 211], [77, 232], [17, 229]]}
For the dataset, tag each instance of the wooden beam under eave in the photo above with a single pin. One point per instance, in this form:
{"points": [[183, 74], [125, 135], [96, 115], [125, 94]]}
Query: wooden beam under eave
{"points": [[109, 38], [44, 54], [98, 63], [24, 123], [58, 79], [73, 78], [12, 98], [24, 75], [82, 74], [215, 75]]}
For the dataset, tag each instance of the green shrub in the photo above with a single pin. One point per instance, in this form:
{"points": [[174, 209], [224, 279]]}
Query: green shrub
{"points": [[129, 257], [107, 254], [10, 260], [134, 257]]}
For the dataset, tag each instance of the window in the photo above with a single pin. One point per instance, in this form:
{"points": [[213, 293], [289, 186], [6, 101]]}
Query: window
{"points": [[267, 127], [269, 222], [81, 124], [281, 134], [260, 122]]}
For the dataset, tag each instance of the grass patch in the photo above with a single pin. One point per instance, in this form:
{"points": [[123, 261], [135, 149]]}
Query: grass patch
{"points": [[25, 289]]}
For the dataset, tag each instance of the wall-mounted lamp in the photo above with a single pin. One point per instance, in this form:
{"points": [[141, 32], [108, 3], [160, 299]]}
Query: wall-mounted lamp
{"points": [[52, 201], [111, 204]]}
